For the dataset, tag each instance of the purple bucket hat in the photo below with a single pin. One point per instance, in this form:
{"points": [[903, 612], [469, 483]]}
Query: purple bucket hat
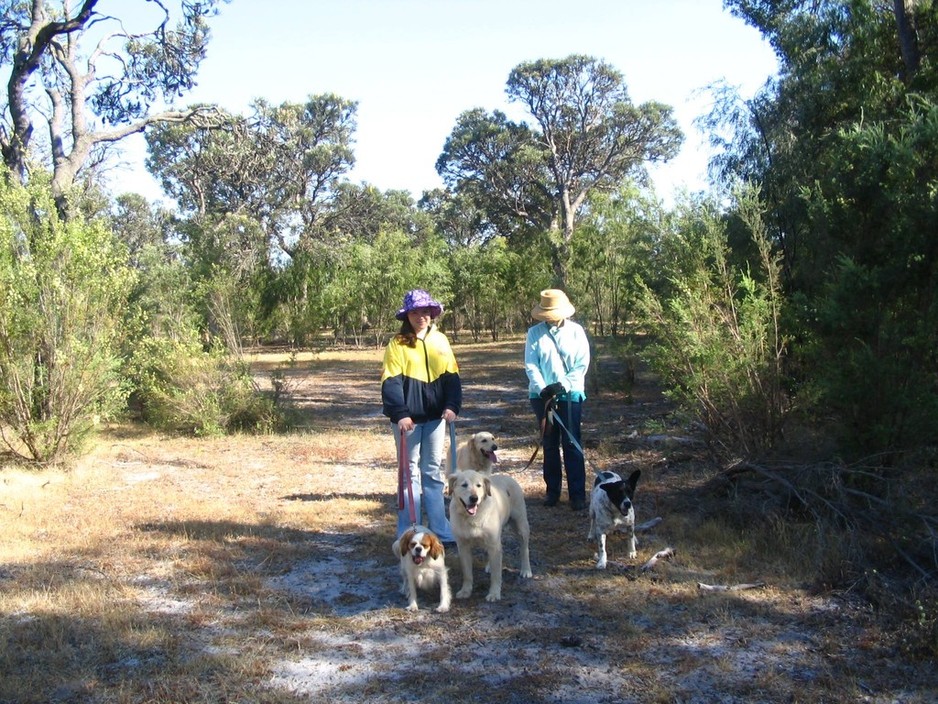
{"points": [[418, 298]]}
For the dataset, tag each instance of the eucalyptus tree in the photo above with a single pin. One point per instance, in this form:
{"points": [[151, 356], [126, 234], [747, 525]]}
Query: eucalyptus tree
{"points": [[587, 137], [494, 163], [618, 243], [457, 217], [361, 212], [89, 100], [281, 166], [139, 224]]}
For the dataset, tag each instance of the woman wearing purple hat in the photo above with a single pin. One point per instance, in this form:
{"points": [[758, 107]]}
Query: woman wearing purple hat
{"points": [[420, 393]]}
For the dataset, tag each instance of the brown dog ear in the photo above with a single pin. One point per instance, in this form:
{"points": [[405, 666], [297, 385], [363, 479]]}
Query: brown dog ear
{"points": [[436, 547], [488, 487], [451, 481], [405, 542]]}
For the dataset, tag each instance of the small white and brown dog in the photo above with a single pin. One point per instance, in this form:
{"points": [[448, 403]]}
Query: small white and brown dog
{"points": [[423, 566], [480, 507], [477, 452], [611, 510]]}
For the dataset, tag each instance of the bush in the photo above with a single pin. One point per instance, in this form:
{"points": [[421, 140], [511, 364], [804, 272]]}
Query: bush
{"points": [[716, 337], [184, 389], [63, 286]]}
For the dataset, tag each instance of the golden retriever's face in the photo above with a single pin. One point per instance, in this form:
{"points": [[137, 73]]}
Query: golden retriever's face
{"points": [[485, 445], [469, 489]]}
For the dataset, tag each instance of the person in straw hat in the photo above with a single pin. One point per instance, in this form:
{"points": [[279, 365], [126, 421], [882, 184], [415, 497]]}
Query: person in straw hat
{"points": [[556, 358], [420, 392]]}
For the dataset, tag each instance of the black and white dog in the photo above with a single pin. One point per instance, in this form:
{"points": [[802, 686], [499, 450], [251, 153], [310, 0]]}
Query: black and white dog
{"points": [[611, 510]]}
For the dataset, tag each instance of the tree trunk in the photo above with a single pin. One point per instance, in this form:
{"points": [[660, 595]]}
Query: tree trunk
{"points": [[908, 39]]}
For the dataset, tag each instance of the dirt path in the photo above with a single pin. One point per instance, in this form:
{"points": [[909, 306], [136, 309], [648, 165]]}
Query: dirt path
{"points": [[259, 569], [574, 634]]}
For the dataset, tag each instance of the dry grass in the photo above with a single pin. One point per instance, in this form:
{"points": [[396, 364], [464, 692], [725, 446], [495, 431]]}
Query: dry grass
{"points": [[258, 569]]}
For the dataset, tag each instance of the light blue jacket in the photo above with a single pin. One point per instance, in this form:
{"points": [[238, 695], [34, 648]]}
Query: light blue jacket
{"points": [[553, 353]]}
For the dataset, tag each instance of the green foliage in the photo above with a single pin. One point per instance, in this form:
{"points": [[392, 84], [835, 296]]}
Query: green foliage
{"points": [[715, 334], [842, 145], [611, 251], [353, 287], [875, 321], [279, 167], [589, 138], [185, 389], [484, 287], [376, 276], [104, 74], [63, 290]]}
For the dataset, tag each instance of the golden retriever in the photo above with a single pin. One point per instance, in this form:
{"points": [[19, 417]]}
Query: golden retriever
{"points": [[477, 452], [480, 507], [422, 557]]}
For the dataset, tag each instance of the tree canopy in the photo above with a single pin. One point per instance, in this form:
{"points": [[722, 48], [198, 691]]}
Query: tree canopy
{"points": [[89, 99], [588, 137]]}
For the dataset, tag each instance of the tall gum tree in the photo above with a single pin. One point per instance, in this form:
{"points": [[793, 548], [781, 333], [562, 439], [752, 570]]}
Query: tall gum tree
{"points": [[589, 137], [91, 100], [282, 166]]}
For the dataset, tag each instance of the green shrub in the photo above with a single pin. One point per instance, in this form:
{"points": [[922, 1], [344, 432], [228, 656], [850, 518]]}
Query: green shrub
{"points": [[716, 333], [185, 389], [63, 287]]}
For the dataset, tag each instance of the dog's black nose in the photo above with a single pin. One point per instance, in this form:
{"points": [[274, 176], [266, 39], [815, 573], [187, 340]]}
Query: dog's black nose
{"points": [[494, 447]]}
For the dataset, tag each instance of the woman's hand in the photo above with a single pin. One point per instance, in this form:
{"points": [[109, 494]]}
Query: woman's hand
{"points": [[448, 415], [405, 424]]}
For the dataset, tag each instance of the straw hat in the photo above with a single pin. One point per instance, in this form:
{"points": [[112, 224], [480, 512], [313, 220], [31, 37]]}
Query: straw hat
{"points": [[554, 306]]}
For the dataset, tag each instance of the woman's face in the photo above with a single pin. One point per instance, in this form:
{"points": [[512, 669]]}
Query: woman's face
{"points": [[420, 318]]}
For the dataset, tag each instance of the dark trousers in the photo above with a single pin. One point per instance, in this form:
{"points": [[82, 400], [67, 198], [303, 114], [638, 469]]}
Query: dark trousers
{"points": [[556, 438]]}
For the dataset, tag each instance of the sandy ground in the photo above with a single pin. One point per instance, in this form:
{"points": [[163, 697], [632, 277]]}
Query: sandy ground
{"points": [[316, 533]]}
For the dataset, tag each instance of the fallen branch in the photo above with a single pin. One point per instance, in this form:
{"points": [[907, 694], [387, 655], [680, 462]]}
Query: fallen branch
{"points": [[665, 554], [728, 588], [647, 525]]}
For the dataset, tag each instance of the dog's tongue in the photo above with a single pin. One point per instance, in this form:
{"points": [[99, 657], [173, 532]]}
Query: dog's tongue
{"points": [[418, 559], [471, 510], [493, 457]]}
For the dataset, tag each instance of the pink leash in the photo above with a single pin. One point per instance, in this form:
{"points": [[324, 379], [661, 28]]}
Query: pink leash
{"points": [[403, 477]]}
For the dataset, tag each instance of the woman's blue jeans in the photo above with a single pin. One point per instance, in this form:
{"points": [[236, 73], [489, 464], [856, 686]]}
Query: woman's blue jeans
{"points": [[425, 445]]}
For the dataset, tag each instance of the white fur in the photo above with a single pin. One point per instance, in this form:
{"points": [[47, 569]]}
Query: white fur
{"points": [[423, 567], [480, 507], [607, 517]]}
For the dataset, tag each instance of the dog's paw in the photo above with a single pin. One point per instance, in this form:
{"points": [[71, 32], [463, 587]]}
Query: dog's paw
{"points": [[442, 608], [494, 596], [526, 574], [633, 554], [413, 607], [601, 564], [464, 593]]}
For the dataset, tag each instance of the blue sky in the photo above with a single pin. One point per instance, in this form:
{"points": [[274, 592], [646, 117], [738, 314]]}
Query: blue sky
{"points": [[414, 65]]}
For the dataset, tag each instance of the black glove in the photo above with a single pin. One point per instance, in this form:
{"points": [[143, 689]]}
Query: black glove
{"points": [[548, 392]]}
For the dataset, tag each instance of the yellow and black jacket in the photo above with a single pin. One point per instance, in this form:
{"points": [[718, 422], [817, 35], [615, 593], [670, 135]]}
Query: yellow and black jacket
{"points": [[421, 381]]}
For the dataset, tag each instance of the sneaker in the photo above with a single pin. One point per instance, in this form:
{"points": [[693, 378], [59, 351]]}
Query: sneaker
{"points": [[578, 504], [551, 501]]}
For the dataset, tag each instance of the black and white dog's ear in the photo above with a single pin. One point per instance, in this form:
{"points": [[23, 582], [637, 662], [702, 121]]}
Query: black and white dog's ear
{"points": [[613, 489], [633, 479]]}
